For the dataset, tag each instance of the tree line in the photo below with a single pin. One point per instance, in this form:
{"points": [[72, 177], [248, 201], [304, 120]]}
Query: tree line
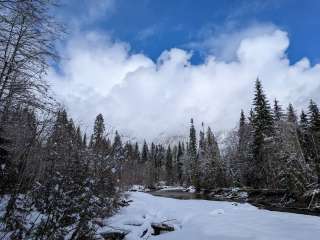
{"points": [[271, 148], [52, 185], [55, 181]]}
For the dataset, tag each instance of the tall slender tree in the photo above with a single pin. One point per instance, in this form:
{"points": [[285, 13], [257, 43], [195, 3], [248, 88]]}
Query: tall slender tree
{"points": [[263, 130], [291, 115], [277, 111], [193, 157]]}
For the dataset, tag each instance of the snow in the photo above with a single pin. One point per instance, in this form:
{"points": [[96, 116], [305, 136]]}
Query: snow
{"points": [[201, 219], [172, 188], [138, 188], [191, 189]]}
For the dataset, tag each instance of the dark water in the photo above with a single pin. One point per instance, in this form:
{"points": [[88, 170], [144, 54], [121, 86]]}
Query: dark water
{"points": [[180, 195]]}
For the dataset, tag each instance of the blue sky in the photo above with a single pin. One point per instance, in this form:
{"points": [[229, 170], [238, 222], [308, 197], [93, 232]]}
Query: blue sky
{"points": [[152, 26], [151, 65]]}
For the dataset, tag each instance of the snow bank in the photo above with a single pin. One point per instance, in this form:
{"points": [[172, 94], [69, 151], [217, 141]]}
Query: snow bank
{"points": [[137, 188], [172, 188], [207, 220]]}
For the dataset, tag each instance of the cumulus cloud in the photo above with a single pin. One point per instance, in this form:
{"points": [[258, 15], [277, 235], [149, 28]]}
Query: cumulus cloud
{"points": [[223, 42], [145, 98]]}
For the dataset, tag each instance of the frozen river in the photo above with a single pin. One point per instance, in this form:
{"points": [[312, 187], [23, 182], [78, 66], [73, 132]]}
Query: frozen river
{"points": [[210, 220]]}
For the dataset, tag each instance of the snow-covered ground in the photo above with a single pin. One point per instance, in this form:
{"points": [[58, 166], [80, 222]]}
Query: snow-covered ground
{"points": [[204, 220]]}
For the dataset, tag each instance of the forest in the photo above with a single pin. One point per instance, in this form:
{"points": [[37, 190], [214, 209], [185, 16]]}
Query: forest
{"points": [[56, 179]]}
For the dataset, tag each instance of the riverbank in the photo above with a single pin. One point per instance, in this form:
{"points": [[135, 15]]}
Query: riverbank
{"points": [[273, 200], [207, 220]]}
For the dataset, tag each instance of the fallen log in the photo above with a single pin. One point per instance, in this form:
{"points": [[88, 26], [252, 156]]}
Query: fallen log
{"points": [[124, 203], [159, 228]]}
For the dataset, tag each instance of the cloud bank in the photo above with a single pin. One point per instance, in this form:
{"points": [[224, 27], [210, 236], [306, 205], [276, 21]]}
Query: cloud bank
{"points": [[146, 98]]}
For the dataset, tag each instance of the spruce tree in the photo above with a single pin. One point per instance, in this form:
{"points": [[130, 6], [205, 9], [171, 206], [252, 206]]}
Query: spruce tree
{"points": [[241, 163], [136, 152], [314, 125], [251, 117], [193, 157], [117, 155], [291, 115], [262, 132], [305, 138], [277, 111], [314, 117], [145, 153], [169, 167], [179, 163], [98, 133], [84, 140], [153, 167], [303, 123]]}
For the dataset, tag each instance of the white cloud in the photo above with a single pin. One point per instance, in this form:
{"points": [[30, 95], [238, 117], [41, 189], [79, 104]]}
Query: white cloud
{"points": [[145, 98], [223, 42]]}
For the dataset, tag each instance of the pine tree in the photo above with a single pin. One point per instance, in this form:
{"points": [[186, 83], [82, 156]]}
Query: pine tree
{"points": [[303, 123], [291, 115], [98, 134], [179, 163], [305, 138], [251, 117], [240, 165], [136, 152], [117, 155], [153, 168], [277, 111], [145, 153], [84, 140], [169, 167], [136, 169], [193, 157], [314, 117], [79, 139], [216, 175], [262, 131], [314, 124]]}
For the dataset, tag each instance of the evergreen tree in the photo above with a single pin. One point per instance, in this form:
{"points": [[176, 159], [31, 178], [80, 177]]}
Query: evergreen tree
{"points": [[305, 138], [291, 115], [314, 117], [193, 157], [303, 123], [251, 116], [314, 124], [136, 152], [84, 140], [117, 155], [241, 163], [145, 153], [262, 131], [153, 167], [98, 134], [179, 163], [79, 139], [169, 167], [277, 111]]}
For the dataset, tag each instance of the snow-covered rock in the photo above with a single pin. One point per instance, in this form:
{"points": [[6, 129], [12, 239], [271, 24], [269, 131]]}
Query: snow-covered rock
{"points": [[191, 189]]}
